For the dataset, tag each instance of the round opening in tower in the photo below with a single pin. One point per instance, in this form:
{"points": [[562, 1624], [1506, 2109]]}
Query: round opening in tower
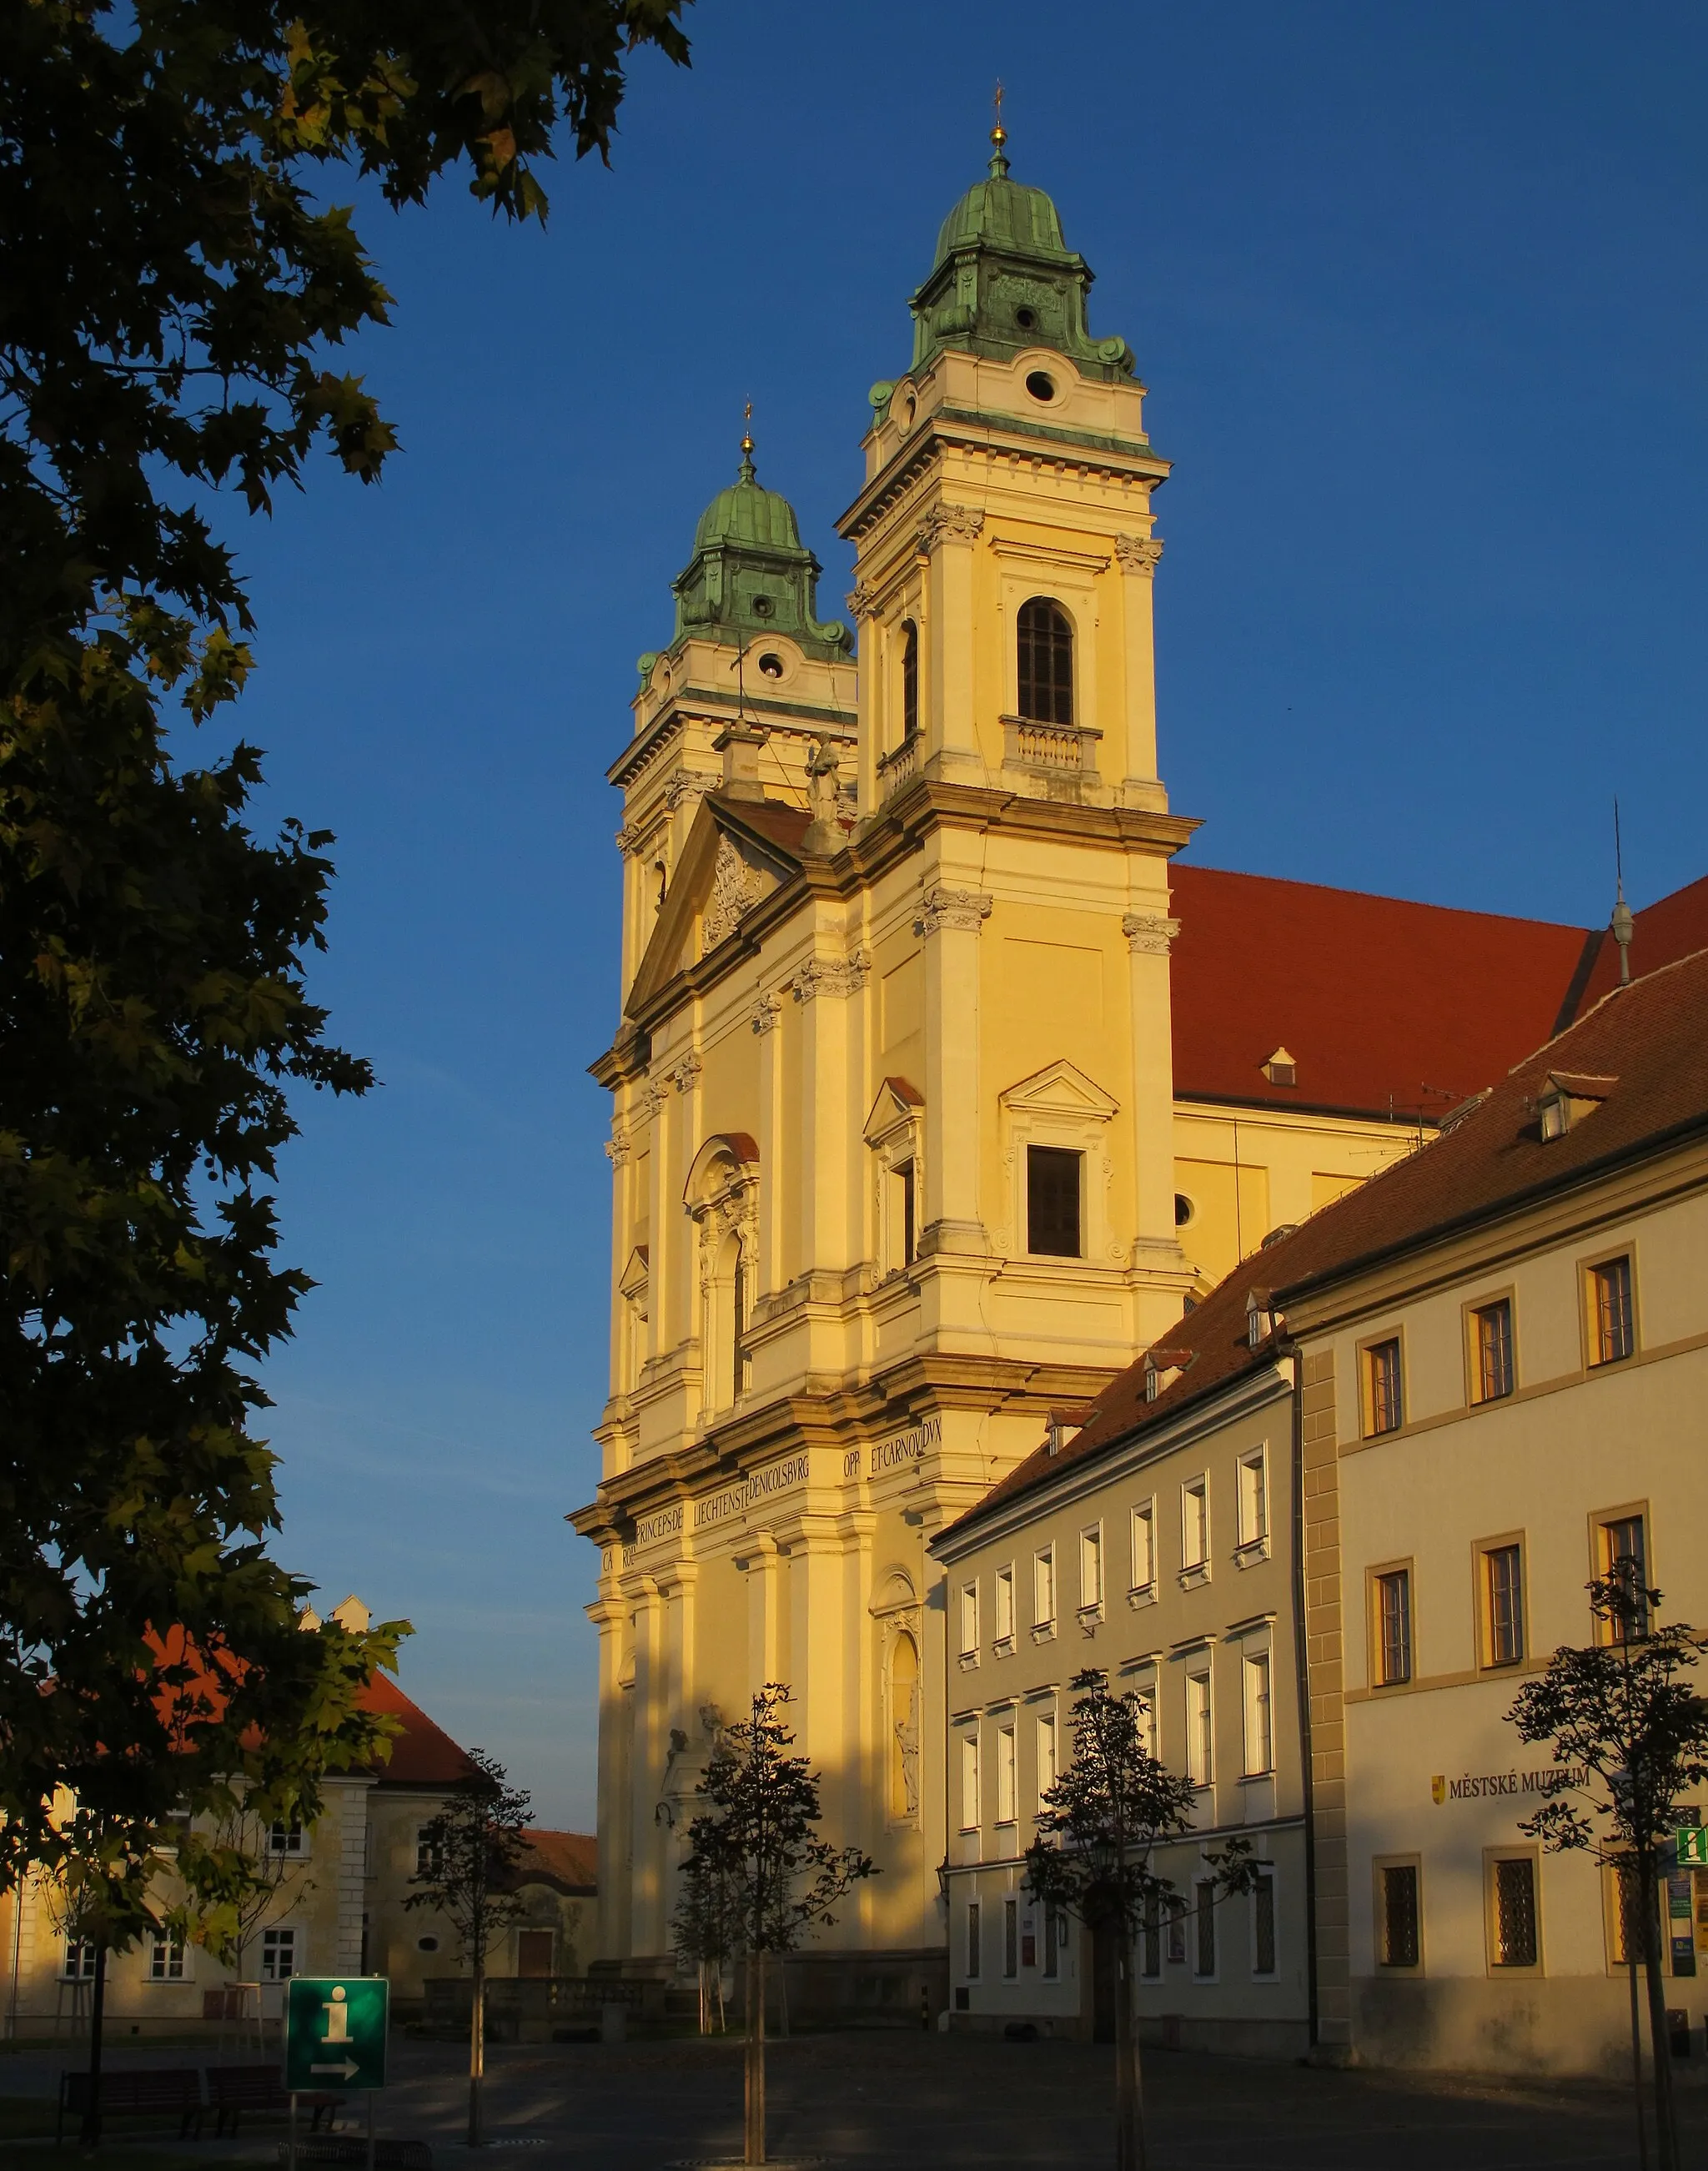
{"points": [[771, 665], [762, 606], [1027, 319], [1184, 1209], [1040, 386]]}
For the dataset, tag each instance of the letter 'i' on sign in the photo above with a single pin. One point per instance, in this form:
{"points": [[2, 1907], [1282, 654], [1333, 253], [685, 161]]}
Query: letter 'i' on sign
{"points": [[1693, 1847], [335, 2030]]}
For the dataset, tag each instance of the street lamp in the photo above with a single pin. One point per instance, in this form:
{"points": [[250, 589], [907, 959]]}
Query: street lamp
{"points": [[943, 1879]]}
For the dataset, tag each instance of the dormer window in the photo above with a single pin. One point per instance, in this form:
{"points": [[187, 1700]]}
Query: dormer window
{"points": [[1280, 1069], [1567, 1098], [1162, 1367], [1259, 1317]]}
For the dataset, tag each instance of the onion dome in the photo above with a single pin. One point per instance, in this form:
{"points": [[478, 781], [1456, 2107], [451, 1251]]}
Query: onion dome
{"points": [[749, 573]]}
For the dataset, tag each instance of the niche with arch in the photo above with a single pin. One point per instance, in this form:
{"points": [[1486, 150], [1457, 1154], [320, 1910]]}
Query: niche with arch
{"points": [[722, 1196]]}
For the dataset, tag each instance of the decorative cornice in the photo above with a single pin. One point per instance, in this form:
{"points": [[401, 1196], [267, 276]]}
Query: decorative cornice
{"points": [[831, 975], [965, 909], [1139, 554], [688, 784], [950, 523], [628, 841], [1149, 933], [766, 1010]]}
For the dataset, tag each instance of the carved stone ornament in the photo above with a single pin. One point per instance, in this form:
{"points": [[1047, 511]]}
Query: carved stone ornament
{"points": [[860, 601], [1139, 554], [688, 784], [628, 842], [766, 1010], [831, 975], [684, 1075], [965, 909], [734, 886], [617, 1148], [1149, 933], [651, 1098], [950, 523]]}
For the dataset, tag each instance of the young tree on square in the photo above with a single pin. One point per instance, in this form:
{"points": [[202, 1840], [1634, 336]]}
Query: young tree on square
{"points": [[1095, 1856], [706, 1928], [1629, 1730], [469, 1853], [754, 1851]]}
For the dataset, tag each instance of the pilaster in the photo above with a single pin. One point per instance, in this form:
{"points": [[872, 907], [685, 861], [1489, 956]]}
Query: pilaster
{"points": [[1323, 1661]]}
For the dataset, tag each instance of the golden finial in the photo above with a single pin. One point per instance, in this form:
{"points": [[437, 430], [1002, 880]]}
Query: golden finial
{"points": [[747, 429]]}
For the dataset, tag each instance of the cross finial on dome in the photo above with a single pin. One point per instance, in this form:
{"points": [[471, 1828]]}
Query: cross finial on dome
{"points": [[999, 137], [746, 473]]}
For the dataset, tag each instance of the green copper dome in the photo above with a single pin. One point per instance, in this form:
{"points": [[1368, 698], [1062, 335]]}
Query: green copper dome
{"points": [[1004, 280], [750, 575]]}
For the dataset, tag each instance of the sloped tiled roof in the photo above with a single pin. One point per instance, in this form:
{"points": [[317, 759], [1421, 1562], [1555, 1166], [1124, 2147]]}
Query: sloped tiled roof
{"points": [[423, 1754], [570, 1861], [1650, 1039]]}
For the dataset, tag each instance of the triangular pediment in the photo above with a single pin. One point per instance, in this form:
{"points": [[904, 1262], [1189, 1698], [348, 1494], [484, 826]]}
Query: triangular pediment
{"points": [[1060, 1089], [728, 865], [898, 1102]]}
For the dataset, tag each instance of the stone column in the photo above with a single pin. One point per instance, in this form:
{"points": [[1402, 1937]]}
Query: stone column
{"points": [[772, 1144], [821, 989], [647, 1934], [607, 1615], [1156, 1246], [947, 535], [759, 1558], [950, 920]]}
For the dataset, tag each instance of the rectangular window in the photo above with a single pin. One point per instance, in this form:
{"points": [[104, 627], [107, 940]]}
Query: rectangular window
{"points": [[1492, 1332], [1199, 1741], [1005, 1791], [1385, 1406], [79, 1959], [969, 1783], [1144, 1546], [1091, 1567], [1513, 1908], [1399, 1941], [285, 1839], [165, 1959], [1622, 1544], [1005, 1606], [969, 1619], [278, 1955], [1145, 1691], [1393, 1627], [1195, 1523], [428, 1851], [1263, 1923], [1254, 1498], [1503, 1605], [1044, 1588], [1010, 1938], [1053, 1202], [975, 1953], [1259, 1731], [1055, 1941], [1612, 1323], [905, 1177], [1204, 1945], [1177, 1933], [1047, 1757], [1150, 1939]]}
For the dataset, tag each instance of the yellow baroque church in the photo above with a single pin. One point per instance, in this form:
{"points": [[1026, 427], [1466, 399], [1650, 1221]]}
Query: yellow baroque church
{"points": [[938, 1092]]}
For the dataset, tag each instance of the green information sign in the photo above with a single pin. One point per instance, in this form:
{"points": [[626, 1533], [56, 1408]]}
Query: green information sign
{"points": [[1693, 1847], [335, 2032]]}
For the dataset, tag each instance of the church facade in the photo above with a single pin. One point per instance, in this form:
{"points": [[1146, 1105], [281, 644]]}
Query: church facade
{"points": [[902, 1169]]}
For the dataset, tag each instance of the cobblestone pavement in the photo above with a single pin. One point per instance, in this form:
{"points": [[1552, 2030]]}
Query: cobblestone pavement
{"points": [[895, 2100]]}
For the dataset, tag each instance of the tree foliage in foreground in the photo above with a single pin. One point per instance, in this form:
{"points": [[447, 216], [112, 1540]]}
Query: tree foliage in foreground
{"points": [[172, 281]]}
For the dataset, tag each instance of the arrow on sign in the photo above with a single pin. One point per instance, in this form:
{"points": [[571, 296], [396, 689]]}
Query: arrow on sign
{"points": [[347, 2067]]}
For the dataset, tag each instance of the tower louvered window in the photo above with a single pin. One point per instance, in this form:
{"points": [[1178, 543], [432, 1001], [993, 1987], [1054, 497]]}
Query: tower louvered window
{"points": [[1045, 659]]}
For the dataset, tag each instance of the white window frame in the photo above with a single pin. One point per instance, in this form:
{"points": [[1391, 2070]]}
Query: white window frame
{"points": [[1195, 1527], [1091, 1571], [1148, 1689], [1267, 1875], [1044, 1591], [1044, 1752], [1200, 1726], [77, 1961], [169, 1958], [971, 1804], [1059, 1106], [1004, 1622], [1257, 1686], [1142, 1539], [277, 1935], [1252, 1477], [287, 1842], [1008, 1774], [969, 1620]]}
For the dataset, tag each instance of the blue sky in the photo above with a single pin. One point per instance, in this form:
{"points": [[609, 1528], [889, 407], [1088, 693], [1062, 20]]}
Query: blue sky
{"points": [[1420, 295]]}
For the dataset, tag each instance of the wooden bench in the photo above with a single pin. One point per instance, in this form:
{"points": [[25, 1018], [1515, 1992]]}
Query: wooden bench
{"points": [[160, 2092], [234, 2090]]}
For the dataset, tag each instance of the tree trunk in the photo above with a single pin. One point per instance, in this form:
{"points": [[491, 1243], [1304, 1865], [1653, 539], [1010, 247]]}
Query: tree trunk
{"points": [[753, 2150], [1666, 2131], [477, 2056], [90, 2138], [1129, 2113]]}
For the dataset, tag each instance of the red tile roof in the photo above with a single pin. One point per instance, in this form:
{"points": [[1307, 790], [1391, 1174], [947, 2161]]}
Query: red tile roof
{"points": [[423, 1754], [570, 1861], [1646, 1043]]}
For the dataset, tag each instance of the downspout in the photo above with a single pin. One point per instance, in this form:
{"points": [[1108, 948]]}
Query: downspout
{"points": [[1286, 1347]]}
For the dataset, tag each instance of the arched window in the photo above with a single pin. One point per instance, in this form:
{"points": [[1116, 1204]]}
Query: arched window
{"points": [[904, 1727], [910, 681], [1046, 644]]}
